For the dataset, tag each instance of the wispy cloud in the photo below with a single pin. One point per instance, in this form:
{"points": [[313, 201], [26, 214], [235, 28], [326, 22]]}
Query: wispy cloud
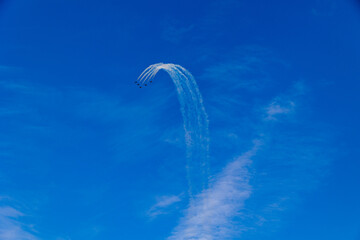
{"points": [[284, 103], [283, 168], [11, 228], [245, 64], [163, 204], [210, 215], [278, 107]]}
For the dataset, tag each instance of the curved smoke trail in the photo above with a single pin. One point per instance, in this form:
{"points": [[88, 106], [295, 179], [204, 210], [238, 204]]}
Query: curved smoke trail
{"points": [[195, 121]]}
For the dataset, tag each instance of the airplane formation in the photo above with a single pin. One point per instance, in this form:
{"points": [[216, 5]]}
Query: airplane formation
{"points": [[140, 86]]}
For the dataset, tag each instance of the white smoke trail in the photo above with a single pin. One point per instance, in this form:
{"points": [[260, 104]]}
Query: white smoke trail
{"points": [[195, 121]]}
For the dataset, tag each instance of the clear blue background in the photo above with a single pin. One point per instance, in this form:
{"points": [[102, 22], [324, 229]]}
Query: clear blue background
{"points": [[84, 154]]}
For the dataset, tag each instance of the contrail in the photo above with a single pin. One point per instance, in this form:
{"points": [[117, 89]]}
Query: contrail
{"points": [[196, 123]]}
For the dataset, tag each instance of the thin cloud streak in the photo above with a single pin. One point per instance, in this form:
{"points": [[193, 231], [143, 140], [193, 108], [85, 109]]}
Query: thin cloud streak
{"points": [[214, 212], [162, 205], [211, 214], [11, 228], [277, 108]]}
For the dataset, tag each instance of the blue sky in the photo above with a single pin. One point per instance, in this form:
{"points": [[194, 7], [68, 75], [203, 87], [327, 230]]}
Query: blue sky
{"points": [[84, 154]]}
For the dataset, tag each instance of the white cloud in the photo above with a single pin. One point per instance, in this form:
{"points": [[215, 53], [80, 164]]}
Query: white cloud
{"points": [[285, 104], [277, 108], [210, 215], [10, 226], [220, 212], [163, 204]]}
